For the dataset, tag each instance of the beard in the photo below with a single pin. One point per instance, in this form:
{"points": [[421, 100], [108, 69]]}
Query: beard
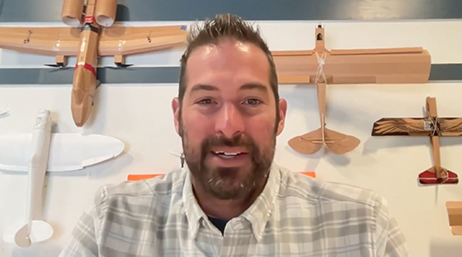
{"points": [[228, 182]]}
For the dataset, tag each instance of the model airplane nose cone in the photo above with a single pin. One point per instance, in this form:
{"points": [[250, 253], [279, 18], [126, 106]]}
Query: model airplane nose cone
{"points": [[82, 95]]}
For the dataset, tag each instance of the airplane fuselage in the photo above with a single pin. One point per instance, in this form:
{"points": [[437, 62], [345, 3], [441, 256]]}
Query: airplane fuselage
{"points": [[85, 82]]}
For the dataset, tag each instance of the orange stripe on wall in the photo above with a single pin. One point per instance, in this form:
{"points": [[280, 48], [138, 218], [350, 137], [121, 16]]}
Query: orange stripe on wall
{"points": [[136, 177]]}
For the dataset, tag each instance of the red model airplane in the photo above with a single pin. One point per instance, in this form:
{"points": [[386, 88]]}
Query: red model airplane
{"points": [[89, 36], [432, 126]]}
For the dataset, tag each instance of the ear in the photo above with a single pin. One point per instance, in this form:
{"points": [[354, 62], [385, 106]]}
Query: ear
{"points": [[176, 113], [282, 115]]}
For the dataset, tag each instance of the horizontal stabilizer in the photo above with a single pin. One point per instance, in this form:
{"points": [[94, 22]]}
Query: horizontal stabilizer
{"points": [[429, 177], [311, 142], [39, 231], [340, 143], [308, 143], [68, 151]]}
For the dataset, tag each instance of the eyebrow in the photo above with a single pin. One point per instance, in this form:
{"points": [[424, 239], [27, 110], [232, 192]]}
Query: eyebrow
{"points": [[247, 86]]}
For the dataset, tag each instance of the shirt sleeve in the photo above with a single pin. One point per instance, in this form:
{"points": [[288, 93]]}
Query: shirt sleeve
{"points": [[391, 242], [83, 241]]}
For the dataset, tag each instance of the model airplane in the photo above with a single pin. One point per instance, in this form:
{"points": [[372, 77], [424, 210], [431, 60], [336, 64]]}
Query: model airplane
{"points": [[455, 216], [321, 66], [3, 112], [88, 41], [44, 151], [431, 126]]}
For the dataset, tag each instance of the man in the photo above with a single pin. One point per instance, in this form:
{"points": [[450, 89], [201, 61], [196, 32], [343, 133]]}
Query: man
{"points": [[231, 199]]}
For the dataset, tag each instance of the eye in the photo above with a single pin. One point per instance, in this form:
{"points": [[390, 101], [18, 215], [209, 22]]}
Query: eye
{"points": [[252, 101], [205, 101]]}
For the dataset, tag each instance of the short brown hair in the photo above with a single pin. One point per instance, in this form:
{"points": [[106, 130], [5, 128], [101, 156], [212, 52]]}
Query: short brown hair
{"points": [[226, 26]]}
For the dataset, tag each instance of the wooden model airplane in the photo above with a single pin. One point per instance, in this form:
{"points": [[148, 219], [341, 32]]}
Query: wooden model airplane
{"points": [[321, 66], [454, 209], [432, 126], [88, 41], [41, 152]]}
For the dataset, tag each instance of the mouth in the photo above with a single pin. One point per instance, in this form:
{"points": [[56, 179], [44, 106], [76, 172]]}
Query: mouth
{"points": [[228, 154]]}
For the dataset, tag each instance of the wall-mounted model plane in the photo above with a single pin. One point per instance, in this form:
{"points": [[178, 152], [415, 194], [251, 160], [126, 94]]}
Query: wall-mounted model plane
{"points": [[454, 209], [41, 152], [89, 37], [432, 126], [321, 66]]}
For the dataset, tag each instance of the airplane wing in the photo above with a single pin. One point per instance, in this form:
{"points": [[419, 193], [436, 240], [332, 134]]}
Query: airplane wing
{"points": [[402, 127], [401, 50], [450, 126], [68, 151], [353, 66], [134, 40], [37, 40]]}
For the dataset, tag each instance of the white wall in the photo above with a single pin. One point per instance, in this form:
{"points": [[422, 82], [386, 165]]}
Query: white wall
{"points": [[140, 115]]}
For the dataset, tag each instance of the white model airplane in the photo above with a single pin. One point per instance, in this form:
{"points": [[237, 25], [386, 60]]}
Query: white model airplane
{"points": [[3, 112], [44, 151]]}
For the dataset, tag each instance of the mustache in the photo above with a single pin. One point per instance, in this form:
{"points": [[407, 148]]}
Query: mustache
{"points": [[239, 140]]}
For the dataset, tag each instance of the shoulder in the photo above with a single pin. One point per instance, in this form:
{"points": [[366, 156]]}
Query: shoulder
{"points": [[130, 194], [317, 191]]}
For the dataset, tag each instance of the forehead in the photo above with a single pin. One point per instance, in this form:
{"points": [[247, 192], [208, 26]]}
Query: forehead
{"points": [[228, 63]]}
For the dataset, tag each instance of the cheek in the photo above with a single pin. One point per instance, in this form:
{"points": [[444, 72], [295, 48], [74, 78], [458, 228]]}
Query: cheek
{"points": [[261, 131], [196, 128]]}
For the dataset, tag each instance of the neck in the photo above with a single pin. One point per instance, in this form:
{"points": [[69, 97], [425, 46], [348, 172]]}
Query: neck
{"points": [[225, 209]]}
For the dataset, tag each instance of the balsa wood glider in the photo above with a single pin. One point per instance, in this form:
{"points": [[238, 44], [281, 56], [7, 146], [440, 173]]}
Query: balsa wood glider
{"points": [[41, 152], [321, 66], [89, 37], [454, 209], [432, 126]]}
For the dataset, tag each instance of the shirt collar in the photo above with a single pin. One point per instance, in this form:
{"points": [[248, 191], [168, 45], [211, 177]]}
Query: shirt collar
{"points": [[257, 214]]}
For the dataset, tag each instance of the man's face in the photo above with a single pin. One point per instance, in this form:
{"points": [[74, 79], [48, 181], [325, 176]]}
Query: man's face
{"points": [[228, 120]]}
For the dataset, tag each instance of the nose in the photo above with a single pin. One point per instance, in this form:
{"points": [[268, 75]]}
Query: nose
{"points": [[229, 121]]}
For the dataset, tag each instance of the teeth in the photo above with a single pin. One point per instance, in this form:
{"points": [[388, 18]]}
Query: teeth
{"points": [[228, 154]]}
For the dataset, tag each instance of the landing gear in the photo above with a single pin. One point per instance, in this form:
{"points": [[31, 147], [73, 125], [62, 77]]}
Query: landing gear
{"points": [[60, 62], [119, 60]]}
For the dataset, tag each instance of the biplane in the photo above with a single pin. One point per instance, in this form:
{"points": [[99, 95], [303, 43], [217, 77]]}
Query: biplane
{"points": [[40, 152], [432, 126], [90, 36], [321, 66]]}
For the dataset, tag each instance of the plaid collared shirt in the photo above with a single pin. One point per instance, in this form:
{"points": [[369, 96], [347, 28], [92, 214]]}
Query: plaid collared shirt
{"points": [[295, 215]]}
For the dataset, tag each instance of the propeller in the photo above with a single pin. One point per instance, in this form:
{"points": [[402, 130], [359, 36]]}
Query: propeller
{"points": [[58, 66], [120, 65], [124, 65]]}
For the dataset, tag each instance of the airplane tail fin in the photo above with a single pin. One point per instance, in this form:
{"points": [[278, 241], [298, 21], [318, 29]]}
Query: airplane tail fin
{"points": [[311, 142], [430, 177], [23, 236]]}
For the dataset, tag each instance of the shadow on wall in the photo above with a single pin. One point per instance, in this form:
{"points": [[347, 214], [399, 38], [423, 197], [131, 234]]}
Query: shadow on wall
{"points": [[37, 250], [440, 248]]}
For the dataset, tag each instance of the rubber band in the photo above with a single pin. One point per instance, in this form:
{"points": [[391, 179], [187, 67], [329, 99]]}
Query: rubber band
{"points": [[320, 71]]}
